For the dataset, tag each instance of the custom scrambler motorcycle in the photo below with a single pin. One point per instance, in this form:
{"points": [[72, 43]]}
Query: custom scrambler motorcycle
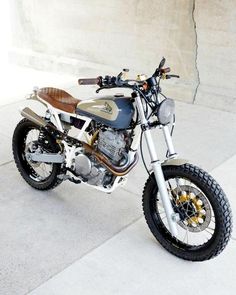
{"points": [[185, 208]]}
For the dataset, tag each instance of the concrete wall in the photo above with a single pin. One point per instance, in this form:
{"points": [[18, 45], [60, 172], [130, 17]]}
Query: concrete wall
{"points": [[97, 36], [216, 58]]}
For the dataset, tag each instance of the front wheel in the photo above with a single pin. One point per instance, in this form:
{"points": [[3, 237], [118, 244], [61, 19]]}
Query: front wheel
{"points": [[205, 221]]}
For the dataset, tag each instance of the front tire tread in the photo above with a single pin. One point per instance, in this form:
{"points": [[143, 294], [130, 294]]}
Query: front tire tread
{"points": [[222, 206]]}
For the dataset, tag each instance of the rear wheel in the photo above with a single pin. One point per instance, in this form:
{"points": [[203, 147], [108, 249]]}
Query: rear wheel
{"points": [[29, 137], [205, 223]]}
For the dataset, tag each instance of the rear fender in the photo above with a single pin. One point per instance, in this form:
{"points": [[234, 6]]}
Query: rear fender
{"points": [[34, 96]]}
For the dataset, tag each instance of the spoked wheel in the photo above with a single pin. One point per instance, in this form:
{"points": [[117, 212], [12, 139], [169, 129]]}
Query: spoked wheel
{"points": [[28, 138], [205, 221]]}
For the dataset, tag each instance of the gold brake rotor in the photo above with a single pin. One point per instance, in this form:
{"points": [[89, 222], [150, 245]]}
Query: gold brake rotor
{"points": [[200, 214]]}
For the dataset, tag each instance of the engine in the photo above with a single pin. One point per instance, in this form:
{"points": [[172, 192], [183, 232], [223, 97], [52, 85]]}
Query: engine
{"points": [[114, 145]]}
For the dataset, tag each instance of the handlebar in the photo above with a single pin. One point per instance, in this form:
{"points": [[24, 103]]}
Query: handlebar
{"points": [[172, 76], [113, 82], [90, 81], [160, 71]]}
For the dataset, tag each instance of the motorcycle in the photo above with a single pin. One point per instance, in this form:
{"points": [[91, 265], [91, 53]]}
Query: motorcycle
{"points": [[185, 208]]}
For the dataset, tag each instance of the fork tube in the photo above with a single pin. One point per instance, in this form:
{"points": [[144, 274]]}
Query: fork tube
{"points": [[168, 140], [157, 169]]}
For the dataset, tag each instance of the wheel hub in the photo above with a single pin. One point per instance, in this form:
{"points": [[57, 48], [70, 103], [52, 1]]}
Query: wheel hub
{"points": [[193, 207], [32, 147]]}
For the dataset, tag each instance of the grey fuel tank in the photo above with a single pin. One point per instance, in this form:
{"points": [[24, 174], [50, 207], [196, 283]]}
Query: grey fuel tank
{"points": [[113, 111]]}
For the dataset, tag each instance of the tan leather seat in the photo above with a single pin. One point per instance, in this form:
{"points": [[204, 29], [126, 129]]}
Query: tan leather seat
{"points": [[59, 99]]}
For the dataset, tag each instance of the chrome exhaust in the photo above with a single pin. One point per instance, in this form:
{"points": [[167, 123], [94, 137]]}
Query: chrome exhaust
{"points": [[33, 117]]}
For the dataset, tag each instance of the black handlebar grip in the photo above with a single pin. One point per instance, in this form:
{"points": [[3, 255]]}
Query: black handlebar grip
{"points": [[90, 81]]}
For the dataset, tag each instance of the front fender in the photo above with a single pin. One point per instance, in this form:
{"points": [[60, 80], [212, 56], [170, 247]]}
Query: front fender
{"points": [[174, 162]]}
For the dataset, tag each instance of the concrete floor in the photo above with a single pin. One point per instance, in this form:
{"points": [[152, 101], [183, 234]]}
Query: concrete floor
{"points": [[75, 240]]}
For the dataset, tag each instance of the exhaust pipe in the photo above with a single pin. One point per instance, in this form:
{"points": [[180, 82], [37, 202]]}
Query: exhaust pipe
{"points": [[33, 117], [117, 171], [36, 119]]}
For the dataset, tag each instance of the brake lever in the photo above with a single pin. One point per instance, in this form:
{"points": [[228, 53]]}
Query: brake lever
{"points": [[105, 87], [101, 88], [171, 76]]}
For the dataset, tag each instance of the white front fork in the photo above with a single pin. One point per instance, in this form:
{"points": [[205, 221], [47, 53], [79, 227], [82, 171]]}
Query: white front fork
{"points": [[157, 169]]}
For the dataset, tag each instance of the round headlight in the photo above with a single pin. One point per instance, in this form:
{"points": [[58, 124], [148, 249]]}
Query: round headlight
{"points": [[165, 111]]}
